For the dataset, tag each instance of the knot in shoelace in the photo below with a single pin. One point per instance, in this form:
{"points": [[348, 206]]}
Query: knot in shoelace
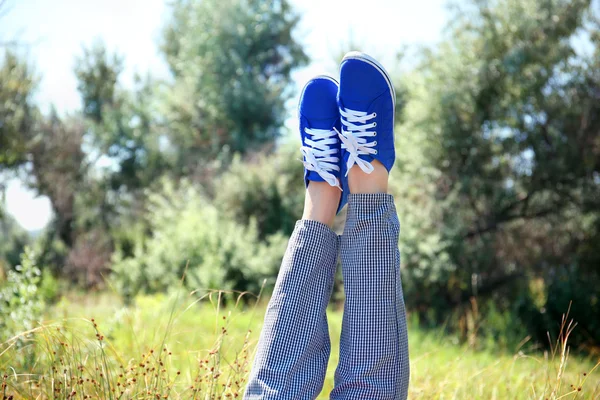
{"points": [[319, 156], [355, 131]]}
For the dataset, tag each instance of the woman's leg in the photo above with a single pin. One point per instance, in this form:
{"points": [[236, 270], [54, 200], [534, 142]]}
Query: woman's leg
{"points": [[294, 346], [374, 346]]}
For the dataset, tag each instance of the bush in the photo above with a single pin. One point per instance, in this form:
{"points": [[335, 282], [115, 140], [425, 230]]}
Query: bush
{"points": [[189, 236], [21, 302], [574, 290], [13, 240], [267, 189], [50, 288]]}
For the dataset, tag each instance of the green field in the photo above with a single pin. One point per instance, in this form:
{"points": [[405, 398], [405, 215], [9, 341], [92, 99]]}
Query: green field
{"points": [[168, 348]]}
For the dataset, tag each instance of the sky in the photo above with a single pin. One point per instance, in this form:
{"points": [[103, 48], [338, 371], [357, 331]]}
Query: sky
{"points": [[55, 31]]}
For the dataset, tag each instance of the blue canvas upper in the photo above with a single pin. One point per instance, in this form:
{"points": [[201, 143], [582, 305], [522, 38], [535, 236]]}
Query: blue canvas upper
{"points": [[319, 116], [366, 103]]}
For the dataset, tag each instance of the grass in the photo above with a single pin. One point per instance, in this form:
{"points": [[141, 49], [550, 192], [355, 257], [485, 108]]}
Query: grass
{"points": [[194, 347]]}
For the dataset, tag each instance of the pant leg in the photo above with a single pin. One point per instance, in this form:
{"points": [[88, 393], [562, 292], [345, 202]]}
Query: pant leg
{"points": [[293, 349], [374, 345]]}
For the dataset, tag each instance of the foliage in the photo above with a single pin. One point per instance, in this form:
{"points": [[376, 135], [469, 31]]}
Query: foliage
{"points": [[121, 123], [504, 119], [124, 154], [97, 73], [496, 182], [57, 169], [575, 290], [50, 288], [12, 243], [264, 188], [47, 152], [21, 303], [95, 166], [231, 63], [189, 237], [17, 108]]}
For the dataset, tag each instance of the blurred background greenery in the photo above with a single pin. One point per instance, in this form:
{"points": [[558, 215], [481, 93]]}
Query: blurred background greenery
{"points": [[497, 180]]}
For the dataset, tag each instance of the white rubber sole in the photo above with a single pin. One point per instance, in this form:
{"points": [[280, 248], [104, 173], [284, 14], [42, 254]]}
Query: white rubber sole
{"points": [[325, 76], [357, 55]]}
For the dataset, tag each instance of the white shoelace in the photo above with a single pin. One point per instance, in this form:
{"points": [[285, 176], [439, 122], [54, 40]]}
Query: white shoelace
{"points": [[319, 157], [354, 136]]}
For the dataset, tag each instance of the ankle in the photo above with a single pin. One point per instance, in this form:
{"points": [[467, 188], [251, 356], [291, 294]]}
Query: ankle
{"points": [[321, 202], [375, 182]]}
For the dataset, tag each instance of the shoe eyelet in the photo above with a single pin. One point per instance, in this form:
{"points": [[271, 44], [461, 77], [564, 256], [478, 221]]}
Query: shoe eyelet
{"points": [[375, 151], [374, 133], [374, 124], [375, 144], [374, 115]]}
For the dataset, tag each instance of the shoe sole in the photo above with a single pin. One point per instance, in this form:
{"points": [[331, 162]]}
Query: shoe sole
{"points": [[357, 55], [325, 76]]}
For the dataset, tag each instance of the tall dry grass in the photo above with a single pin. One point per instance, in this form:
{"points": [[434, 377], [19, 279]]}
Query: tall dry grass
{"points": [[201, 347]]}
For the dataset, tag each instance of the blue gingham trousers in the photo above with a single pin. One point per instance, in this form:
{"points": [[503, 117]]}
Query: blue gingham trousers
{"points": [[294, 346]]}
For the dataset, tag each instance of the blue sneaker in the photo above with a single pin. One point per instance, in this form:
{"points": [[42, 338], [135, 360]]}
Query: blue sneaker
{"points": [[319, 126], [366, 102]]}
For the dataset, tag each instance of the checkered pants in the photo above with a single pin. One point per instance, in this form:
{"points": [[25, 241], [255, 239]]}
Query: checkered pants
{"points": [[294, 346]]}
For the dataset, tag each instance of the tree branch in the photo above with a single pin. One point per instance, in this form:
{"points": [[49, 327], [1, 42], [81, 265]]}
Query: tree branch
{"points": [[496, 224]]}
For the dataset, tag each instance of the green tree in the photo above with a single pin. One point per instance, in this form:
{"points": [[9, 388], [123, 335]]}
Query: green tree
{"points": [[121, 122], [46, 153], [508, 112], [57, 168], [125, 156], [231, 63], [17, 110]]}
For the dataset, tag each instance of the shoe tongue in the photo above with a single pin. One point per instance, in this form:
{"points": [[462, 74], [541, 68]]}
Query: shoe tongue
{"points": [[356, 105], [325, 123]]}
